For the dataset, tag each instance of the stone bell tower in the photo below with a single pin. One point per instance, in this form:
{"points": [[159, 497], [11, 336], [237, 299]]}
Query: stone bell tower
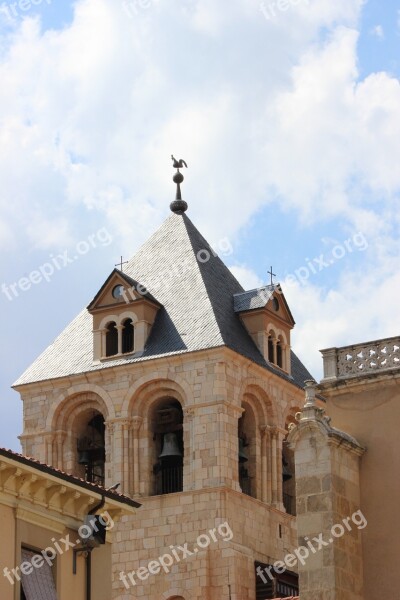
{"points": [[180, 385]]}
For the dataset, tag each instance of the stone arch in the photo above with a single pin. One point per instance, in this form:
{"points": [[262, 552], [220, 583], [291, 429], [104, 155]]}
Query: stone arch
{"points": [[148, 388], [289, 415], [128, 314], [262, 403], [174, 594], [108, 319], [67, 422], [140, 403], [258, 413], [71, 393]]}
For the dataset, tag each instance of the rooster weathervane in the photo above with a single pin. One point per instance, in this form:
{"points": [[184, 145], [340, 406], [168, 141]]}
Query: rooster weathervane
{"points": [[178, 206]]}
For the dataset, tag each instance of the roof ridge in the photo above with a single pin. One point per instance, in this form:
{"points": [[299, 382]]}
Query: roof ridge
{"points": [[196, 292]]}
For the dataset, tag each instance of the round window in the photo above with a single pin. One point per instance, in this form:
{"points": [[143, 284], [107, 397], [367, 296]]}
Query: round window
{"points": [[118, 291]]}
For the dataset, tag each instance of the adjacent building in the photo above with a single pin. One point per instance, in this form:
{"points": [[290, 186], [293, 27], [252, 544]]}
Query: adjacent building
{"points": [[48, 549]]}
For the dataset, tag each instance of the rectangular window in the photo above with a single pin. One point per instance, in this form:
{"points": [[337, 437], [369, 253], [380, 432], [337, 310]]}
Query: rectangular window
{"points": [[40, 581], [277, 586]]}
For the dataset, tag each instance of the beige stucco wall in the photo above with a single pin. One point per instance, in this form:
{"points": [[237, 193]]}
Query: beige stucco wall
{"points": [[369, 409], [37, 530], [7, 549]]}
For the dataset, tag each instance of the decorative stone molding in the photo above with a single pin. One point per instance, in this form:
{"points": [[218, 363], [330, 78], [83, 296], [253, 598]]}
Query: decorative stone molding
{"points": [[313, 417], [361, 359]]}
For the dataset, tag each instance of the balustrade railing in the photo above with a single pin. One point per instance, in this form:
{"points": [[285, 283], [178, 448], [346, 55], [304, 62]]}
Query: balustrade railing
{"points": [[361, 359]]}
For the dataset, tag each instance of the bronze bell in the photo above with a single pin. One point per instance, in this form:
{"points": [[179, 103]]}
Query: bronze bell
{"points": [[170, 446], [242, 455], [83, 458]]}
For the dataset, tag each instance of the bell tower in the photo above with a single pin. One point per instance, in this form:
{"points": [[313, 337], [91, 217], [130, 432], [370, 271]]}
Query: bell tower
{"points": [[170, 384]]}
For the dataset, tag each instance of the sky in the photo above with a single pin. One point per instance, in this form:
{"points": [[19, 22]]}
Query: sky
{"points": [[287, 113]]}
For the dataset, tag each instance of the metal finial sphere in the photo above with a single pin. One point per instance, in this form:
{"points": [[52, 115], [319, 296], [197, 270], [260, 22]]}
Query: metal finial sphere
{"points": [[178, 207], [178, 177]]}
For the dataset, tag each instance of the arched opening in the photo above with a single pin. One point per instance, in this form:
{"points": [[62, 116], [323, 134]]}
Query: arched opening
{"points": [[270, 348], [168, 447], [111, 339], [247, 434], [128, 336], [91, 454], [279, 353]]}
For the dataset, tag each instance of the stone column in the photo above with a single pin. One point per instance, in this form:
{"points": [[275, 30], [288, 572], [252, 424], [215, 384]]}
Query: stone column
{"points": [[274, 464], [330, 363], [264, 463], [103, 350], [280, 438], [120, 329], [118, 451], [126, 426], [328, 498], [136, 423], [188, 441], [60, 437], [49, 439], [97, 343], [274, 351], [286, 362]]}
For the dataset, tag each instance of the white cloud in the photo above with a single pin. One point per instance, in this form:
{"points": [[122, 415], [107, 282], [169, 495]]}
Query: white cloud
{"points": [[260, 110], [95, 110], [246, 277], [338, 137]]}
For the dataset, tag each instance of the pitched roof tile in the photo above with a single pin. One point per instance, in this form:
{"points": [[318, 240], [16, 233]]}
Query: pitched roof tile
{"points": [[197, 298]]}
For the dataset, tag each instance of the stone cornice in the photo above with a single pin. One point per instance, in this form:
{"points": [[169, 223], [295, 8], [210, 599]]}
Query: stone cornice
{"points": [[218, 354], [21, 481]]}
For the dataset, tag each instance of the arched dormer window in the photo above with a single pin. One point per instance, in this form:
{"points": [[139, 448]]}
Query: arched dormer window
{"points": [[111, 339], [128, 336]]}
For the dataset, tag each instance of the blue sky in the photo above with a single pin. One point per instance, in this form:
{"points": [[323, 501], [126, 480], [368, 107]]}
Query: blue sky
{"points": [[289, 121]]}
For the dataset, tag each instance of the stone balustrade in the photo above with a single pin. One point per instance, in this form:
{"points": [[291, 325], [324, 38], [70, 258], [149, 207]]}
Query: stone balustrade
{"points": [[361, 359]]}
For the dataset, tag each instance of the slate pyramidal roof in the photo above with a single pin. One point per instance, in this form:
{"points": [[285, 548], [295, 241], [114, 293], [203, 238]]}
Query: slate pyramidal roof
{"points": [[197, 310]]}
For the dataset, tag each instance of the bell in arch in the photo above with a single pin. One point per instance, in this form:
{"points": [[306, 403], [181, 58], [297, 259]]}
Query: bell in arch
{"points": [[83, 457], [242, 454], [170, 446]]}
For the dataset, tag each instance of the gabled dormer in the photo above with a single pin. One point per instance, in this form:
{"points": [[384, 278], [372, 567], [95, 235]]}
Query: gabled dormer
{"points": [[123, 315], [267, 317]]}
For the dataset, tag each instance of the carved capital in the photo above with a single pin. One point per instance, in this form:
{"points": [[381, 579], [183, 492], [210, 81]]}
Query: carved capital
{"points": [[137, 422], [189, 412], [273, 431]]}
